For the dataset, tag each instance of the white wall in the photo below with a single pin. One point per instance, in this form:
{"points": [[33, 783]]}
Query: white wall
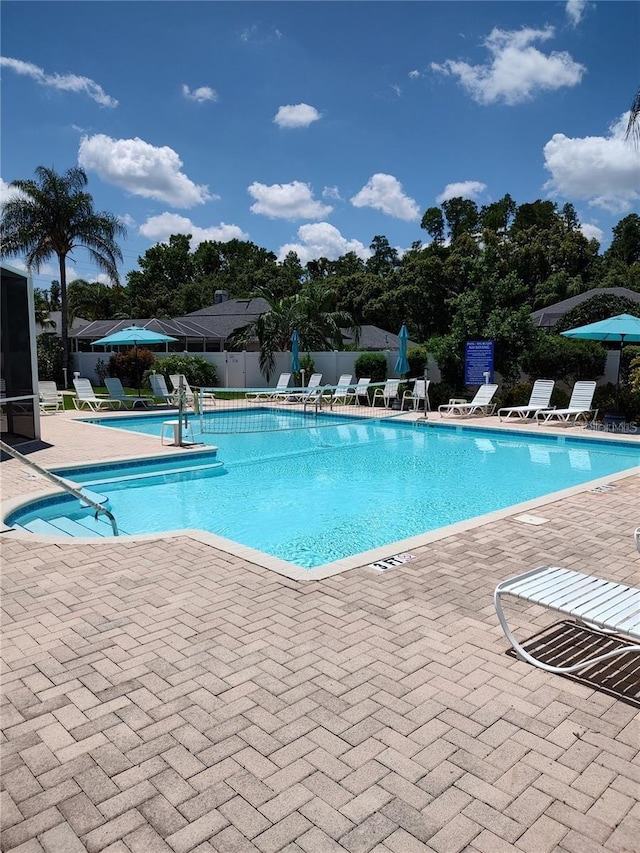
{"points": [[241, 369]]}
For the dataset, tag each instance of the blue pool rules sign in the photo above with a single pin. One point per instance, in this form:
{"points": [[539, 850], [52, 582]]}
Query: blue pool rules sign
{"points": [[478, 360]]}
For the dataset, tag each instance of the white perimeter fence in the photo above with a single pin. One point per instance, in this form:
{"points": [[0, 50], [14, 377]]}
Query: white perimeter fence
{"points": [[241, 370]]}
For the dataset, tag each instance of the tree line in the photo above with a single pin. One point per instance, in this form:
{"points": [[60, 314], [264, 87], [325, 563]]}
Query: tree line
{"points": [[479, 273]]}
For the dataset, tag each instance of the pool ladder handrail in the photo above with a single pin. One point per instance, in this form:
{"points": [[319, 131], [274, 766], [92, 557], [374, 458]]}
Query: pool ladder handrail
{"points": [[62, 484]]}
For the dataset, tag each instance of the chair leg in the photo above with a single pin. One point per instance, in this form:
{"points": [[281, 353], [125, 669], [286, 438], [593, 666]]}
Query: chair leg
{"points": [[557, 670]]}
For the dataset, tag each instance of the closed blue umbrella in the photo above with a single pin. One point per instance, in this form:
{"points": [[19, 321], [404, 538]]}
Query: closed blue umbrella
{"points": [[295, 345], [402, 365], [132, 336]]}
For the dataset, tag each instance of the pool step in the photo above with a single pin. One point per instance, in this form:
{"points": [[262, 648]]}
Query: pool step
{"points": [[88, 526]]}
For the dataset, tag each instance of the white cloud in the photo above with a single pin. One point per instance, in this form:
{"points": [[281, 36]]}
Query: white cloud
{"points": [[517, 71], [385, 193], [64, 82], [462, 189], [296, 115], [332, 192], [322, 240], [7, 192], [592, 231], [200, 95], [128, 220], [160, 228], [287, 201], [397, 90], [605, 170], [414, 74], [575, 10], [142, 169]]}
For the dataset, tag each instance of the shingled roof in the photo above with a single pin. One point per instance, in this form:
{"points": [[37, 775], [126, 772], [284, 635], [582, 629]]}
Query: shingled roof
{"points": [[547, 317]]}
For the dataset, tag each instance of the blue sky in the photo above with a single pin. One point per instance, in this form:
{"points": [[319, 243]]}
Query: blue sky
{"points": [[317, 126]]}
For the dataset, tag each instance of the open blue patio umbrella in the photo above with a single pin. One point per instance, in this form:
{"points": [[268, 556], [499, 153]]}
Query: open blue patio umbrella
{"points": [[132, 336], [295, 346], [622, 329], [402, 365]]}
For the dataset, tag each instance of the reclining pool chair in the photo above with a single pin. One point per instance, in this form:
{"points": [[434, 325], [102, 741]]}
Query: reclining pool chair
{"points": [[270, 393], [613, 608], [117, 392], [49, 398], [86, 397], [480, 405], [539, 400], [340, 393], [159, 388], [579, 407], [190, 394], [311, 392]]}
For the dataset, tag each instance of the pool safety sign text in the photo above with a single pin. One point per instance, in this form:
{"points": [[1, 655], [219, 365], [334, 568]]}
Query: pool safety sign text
{"points": [[478, 362], [390, 562]]}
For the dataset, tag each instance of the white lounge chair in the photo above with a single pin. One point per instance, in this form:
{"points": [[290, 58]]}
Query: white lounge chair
{"points": [[117, 392], [600, 604], [480, 405], [190, 394], [304, 395], [160, 390], [340, 393], [360, 390], [270, 393], [388, 393], [86, 397], [539, 400], [579, 407], [49, 398], [418, 395]]}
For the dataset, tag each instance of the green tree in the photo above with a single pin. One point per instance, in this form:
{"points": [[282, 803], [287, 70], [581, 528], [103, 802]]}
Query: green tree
{"points": [[625, 245], [597, 308], [42, 309], [384, 257], [462, 216], [433, 224], [52, 215], [94, 300]]}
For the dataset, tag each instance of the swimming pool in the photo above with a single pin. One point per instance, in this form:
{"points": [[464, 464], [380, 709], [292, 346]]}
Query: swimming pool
{"points": [[315, 495]]}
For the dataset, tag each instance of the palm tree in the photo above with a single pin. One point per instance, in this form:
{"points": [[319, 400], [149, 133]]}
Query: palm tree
{"points": [[52, 215], [310, 312], [633, 128]]}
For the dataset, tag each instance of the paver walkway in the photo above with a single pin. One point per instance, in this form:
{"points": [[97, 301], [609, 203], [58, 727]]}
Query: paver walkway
{"points": [[165, 696]]}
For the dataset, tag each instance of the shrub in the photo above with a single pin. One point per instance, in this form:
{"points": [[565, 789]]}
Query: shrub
{"points": [[373, 365], [627, 402], [554, 357], [449, 358], [306, 364], [197, 370], [440, 393], [101, 369], [630, 354], [49, 354], [417, 358], [130, 366]]}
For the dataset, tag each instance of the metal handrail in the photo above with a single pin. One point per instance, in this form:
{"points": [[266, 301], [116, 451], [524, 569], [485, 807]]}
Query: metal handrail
{"points": [[62, 484]]}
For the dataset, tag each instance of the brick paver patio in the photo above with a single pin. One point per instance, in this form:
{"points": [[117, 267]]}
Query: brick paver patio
{"points": [[166, 696]]}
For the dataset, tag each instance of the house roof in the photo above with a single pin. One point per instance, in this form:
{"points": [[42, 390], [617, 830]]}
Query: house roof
{"points": [[179, 327], [549, 315], [220, 320]]}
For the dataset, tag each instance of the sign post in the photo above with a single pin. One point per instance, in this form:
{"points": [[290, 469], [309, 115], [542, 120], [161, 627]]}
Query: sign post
{"points": [[478, 362]]}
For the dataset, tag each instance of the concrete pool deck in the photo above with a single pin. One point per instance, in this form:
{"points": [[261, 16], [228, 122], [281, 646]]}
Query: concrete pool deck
{"points": [[164, 695]]}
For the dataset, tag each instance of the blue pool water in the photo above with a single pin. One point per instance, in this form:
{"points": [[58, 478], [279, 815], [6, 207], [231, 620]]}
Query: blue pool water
{"points": [[310, 496]]}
